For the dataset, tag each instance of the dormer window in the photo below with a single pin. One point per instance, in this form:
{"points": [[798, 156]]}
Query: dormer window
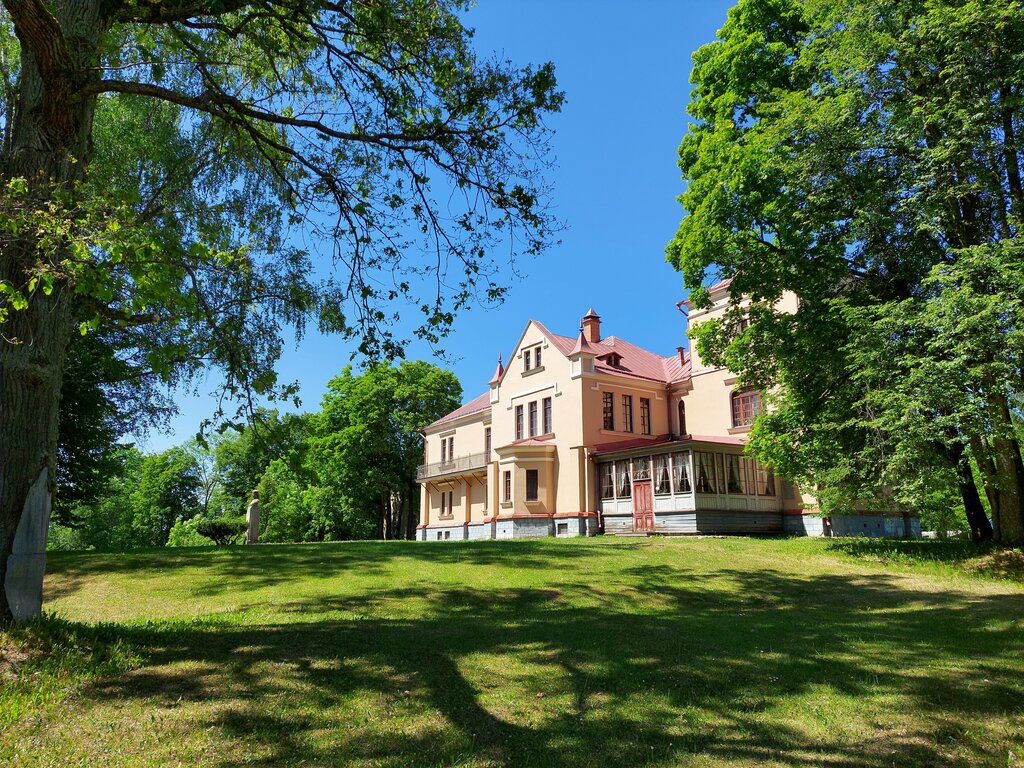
{"points": [[614, 360], [531, 359]]}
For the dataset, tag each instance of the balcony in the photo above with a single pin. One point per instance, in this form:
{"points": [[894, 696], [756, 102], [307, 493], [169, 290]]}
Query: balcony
{"points": [[456, 466]]}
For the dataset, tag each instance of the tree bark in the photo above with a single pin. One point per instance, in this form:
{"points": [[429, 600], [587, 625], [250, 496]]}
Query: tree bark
{"points": [[981, 528], [49, 149], [999, 458]]}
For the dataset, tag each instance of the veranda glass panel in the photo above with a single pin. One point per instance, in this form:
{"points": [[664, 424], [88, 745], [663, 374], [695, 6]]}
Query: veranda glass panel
{"points": [[625, 487], [680, 472], [607, 482], [705, 472], [719, 472], [641, 468], [662, 480], [734, 474]]}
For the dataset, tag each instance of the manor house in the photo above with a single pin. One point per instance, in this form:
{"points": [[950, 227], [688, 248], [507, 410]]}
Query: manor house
{"points": [[588, 434]]}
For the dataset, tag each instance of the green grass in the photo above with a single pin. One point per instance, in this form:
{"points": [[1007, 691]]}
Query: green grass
{"points": [[659, 652]]}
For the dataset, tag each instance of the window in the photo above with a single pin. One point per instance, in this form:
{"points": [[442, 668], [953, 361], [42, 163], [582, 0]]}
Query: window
{"points": [[451, 448], [734, 475], [519, 422], [447, 449], [645, 415], [662, 481], [447, 507], [506, 482], [680, 473], [746, 406], [533, 418], [547, 416], [607, 481], [609, 410], [526, 360], [625, 488], [536, 357], [532, 484], [627, 413], [764, 480], [705, 471], [487, 442], [682, 418]]}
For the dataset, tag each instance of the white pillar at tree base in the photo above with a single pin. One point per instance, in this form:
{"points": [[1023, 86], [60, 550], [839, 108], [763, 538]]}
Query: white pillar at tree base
{"points": [[26, 565], [252, 517]]}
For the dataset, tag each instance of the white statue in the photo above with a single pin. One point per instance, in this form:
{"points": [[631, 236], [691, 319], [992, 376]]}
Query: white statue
{"points": [[252, 517]]}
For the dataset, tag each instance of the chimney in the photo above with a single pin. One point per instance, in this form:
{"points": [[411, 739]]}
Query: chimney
{"points": [[682, 355], [592, 327]]}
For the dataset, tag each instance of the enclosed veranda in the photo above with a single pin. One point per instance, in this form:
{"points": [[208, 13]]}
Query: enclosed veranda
{"points": [[688, 486]]}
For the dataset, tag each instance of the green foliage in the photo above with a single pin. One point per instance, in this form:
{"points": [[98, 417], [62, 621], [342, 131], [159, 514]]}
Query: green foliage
{"points": [[406, 158], [139, 506], [184, 533], [242, 457], [221, 530], [60, 538], [105, 395], [355, 476], [863, 156]]}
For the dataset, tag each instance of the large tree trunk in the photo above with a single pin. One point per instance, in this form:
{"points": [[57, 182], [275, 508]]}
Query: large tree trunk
{"points": [[50, 141], [981, 528], [999, 459]]}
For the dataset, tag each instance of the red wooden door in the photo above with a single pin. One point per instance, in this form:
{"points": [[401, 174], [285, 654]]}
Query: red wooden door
{"points": [[643, 508]]}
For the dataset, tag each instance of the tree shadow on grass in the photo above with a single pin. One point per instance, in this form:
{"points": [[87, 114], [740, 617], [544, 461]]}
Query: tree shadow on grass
{"points": [[243, 567], [980, 558], [656, 670]]}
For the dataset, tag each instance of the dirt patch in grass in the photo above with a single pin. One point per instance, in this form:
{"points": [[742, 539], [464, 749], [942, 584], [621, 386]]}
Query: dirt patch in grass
{"points": [[13, 656], [1005, 564]]}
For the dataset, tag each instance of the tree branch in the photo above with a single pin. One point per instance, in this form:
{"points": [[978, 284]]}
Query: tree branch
{"points": [[167, 11]]}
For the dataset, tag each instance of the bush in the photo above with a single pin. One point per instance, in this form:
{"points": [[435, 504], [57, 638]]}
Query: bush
{"points": [[64, 539], [184, 534], [221, 530]]}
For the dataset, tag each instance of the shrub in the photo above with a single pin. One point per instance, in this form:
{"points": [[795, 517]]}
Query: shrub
{"points": [[184, 534], [221, 530], [64, 539]]}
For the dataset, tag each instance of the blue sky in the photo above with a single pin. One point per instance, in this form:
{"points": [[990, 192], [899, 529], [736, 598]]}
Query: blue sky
{"points": [[625, 69]]}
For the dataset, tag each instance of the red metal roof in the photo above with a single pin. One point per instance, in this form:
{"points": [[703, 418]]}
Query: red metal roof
{"points": [[662, 440], [636, 362], [476, 405]]}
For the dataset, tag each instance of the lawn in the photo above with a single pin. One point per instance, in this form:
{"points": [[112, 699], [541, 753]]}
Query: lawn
{"points": [[652, 652]]}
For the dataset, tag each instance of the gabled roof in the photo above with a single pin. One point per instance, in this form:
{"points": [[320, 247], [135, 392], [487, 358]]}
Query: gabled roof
{"points": [[637, 362], [476, 405]]}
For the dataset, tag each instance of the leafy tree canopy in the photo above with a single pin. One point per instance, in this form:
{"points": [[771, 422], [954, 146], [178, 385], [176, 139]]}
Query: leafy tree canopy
{"points": [[199, 177], [864, 155]]}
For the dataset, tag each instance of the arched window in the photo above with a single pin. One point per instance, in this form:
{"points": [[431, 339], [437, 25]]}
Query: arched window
{"points": [[682, 418], [746, 406]]}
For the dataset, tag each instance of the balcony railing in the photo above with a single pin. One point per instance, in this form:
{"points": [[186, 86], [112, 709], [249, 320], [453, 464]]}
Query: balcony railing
{"points": [[460, 464]]}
